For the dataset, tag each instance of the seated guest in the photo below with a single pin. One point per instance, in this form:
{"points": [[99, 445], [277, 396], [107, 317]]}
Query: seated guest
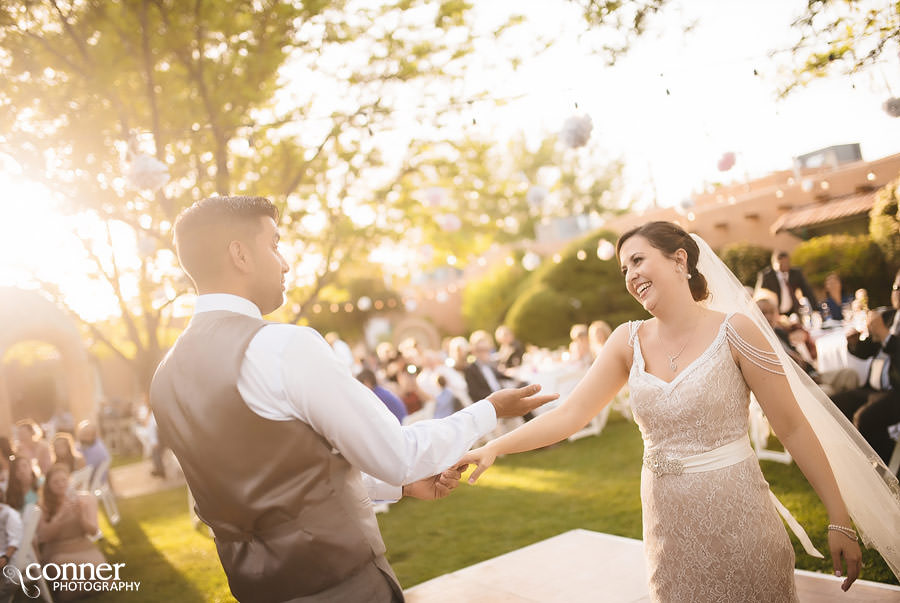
{"points": [[580, 352], [433, 366], [445, 402], [860, 301], [834, 301], [68, 524], [92, 448], [482, 378], [10, 540], [511, 349], [458, 350], [393, 403], [830, 382], [23, 484], [64, 452], [598, 333], [874, 408], [30, 443], [408, 390]]}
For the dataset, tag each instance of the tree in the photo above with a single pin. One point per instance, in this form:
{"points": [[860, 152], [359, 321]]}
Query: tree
{"points": [[87, 88], [857, 260]]}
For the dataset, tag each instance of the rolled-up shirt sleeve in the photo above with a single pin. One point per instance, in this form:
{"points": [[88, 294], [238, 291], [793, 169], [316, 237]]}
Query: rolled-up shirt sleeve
{"points": [[321, 391]]}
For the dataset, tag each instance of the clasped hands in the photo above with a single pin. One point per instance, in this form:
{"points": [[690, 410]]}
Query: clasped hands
{"points": [[511, 402]]}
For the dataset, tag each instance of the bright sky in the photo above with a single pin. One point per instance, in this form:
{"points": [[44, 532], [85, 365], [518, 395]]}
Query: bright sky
{"points": [[716, 105]]}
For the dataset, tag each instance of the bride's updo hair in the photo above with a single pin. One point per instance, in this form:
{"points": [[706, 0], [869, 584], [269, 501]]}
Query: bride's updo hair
{"points": [[669, 238]]}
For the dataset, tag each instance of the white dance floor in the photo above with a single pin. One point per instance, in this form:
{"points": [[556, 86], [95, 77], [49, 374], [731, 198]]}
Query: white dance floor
{"points": [[581, 565]]}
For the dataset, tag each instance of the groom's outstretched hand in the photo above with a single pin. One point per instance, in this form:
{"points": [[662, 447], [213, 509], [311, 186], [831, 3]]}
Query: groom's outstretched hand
{"points": [[515, 402], [436, 486]]}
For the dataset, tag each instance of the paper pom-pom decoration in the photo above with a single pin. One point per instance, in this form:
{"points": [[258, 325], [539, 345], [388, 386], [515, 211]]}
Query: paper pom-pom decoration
{"points": [[576, 131], [605, 250], [530, 261], [726, 161], [448, 222], [536, 195], [434, 196], [147, 173], [892, 107]]}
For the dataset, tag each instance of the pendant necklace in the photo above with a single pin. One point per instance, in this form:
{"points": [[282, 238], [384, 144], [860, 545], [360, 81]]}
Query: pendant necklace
{"points": [[673, 365]]}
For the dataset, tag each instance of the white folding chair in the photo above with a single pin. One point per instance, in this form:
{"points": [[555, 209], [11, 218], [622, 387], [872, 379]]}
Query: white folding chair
{"points": [[101, 490], [81, 478], [759, 435], [25, 555]]}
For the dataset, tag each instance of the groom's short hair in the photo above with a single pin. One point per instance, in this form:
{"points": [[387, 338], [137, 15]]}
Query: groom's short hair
{"points": [[204, 230]]}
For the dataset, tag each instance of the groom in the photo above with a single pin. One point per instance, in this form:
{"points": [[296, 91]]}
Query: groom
{"points": [[272, 430]]}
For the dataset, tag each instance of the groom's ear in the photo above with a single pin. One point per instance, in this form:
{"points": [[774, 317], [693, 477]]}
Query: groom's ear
{"points": [[238, 255]]}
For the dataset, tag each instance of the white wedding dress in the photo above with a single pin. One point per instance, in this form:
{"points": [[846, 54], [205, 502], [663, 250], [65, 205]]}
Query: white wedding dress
{"points": [[714, 535]]}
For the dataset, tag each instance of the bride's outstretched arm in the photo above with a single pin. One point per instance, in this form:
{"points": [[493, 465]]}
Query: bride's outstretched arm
{"points": [[773, 392], [598, 387]]}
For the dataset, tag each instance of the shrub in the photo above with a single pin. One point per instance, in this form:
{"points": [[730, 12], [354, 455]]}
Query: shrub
{"points": [[856, 259], [485, 301], [745, 260], [884, 222], [559, 295]]}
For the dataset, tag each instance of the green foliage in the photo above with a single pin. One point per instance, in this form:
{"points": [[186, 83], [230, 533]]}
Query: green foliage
{"points": [[572, 291], [486, 300], [884, 222], [745, 260], [856, 259]]}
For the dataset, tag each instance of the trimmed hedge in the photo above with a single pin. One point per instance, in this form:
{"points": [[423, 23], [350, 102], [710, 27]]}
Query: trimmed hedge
{"points": [[884, 222], [745, 260], [856, 259], [572, 291], [486, 301]]}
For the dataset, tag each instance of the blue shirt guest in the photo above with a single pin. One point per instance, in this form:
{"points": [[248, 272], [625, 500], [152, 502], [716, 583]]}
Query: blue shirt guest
{"points": [[394, 404], [834, 301], [92, 447]]}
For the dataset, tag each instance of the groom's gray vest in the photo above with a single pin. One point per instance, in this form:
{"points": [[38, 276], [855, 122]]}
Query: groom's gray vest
{"points": [[290, 516]]}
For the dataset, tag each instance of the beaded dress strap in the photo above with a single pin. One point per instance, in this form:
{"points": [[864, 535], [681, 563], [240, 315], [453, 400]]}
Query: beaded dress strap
{"points": [[633, 326], [766, 360]]}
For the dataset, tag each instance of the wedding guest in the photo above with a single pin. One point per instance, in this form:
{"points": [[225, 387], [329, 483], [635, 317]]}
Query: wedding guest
{"points": [[67, 526], [434, 366], [458, 350], [23, 484], [598, 333], [482, 378], [874, 408], [511, 350], [445, 403], [292, 519], [784, 280], [860, 301], [145, 429], [4, 473], [393, 403], [92, 447], [831, 382], [834, 301], [30, 443], [10, 540], [64, 452], [580, 353]]}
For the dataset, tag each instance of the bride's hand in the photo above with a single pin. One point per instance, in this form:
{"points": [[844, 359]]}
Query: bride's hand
{"points": [[843, 546], [482, 457]]}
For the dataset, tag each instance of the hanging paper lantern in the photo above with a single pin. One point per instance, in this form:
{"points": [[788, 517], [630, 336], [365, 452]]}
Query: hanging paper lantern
{"points": [[536, 195], [530, 261], [448, 222], [726, 161], [605, 250], [892, 107], [434, 196], [684, 206], [147, 173], [364, 303], [576, 131]]}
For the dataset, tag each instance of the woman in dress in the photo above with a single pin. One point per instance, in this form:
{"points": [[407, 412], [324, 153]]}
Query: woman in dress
{"points": [[64, 452], [23, 484], [711, 527]]}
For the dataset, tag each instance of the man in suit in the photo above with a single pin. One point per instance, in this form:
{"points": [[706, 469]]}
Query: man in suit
{"points": [[874, 408], [482, 377], [783, 280], [272, 430]]}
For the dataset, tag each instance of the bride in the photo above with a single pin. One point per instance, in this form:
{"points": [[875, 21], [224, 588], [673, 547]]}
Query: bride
{"points": [[711, 526]]}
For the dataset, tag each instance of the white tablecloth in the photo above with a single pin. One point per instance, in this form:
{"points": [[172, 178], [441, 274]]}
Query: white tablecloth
{"points": [[831, 347]]}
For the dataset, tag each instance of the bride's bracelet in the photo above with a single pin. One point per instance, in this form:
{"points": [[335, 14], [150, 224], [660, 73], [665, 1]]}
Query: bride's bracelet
{"points": [[848, 532]]}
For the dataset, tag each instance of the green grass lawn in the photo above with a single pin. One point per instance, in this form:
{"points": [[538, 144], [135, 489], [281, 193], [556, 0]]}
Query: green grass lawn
{"points": [[593, 483]]}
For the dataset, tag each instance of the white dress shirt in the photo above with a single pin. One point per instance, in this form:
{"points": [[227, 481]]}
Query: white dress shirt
{"points": [[291, 373], [11, 532], [787, 297]]}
